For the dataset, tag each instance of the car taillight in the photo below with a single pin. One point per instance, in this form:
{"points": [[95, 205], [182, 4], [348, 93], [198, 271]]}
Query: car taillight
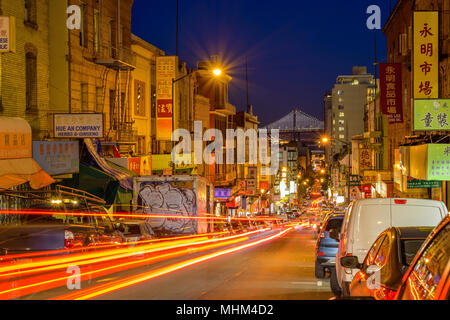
{"points": [[400, 201], [68, 239], [320, 253]]}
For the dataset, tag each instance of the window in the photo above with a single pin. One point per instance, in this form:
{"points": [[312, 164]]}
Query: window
{"points": [[30, 12], [373, 251], [112, 109], [409, 249], [84, 97], [96, 30], [139, 98], [341, 129], [342, 122], [341, 136], [427, 272], [341, 107], [341, 114], [31, 76], [98, 99], [84, 26], [340, 92], [383, 254], [141, 145], [112, 39]]}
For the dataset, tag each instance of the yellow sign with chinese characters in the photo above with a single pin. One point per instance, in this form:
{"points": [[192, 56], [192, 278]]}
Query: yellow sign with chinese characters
{"points": [[426, 54]]}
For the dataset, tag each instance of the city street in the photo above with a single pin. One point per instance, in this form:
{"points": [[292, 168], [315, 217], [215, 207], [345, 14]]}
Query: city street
{"points": [[282, 269], [224, 150]]}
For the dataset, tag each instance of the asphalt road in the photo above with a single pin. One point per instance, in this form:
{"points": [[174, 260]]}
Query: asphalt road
{"points": [[282, 269]]}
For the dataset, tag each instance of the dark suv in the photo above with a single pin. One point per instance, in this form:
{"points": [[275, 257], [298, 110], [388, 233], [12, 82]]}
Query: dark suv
{"points": [[327, 247]]}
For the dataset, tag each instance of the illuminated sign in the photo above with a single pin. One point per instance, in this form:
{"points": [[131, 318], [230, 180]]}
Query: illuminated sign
{"points": [[391, 91], [426, 54], [431, 114], [165, 73]]}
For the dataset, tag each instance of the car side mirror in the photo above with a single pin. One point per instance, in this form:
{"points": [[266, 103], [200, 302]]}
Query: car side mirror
{"points": [[334, 234], [350, 262]]}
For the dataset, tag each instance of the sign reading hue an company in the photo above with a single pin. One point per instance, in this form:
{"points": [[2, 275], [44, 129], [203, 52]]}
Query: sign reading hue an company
{"points": [[78, 125], [412, 183]]}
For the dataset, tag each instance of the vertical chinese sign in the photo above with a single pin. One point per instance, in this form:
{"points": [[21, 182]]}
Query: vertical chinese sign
{"points": [[391, 91], [165, 73], [426, 55]]}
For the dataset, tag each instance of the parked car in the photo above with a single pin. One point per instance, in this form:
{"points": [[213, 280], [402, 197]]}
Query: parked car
{"points": [[136, 230], [386, 262], [428, 277], [51, 226], [326, 247], [365, 219]]}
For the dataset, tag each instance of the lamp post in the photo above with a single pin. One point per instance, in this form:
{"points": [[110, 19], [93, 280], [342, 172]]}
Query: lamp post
{"points": [[348, 144], [216, 72]]}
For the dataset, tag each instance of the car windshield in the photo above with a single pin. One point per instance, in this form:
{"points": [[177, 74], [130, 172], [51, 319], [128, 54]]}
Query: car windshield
{"points": [[409, 249]]}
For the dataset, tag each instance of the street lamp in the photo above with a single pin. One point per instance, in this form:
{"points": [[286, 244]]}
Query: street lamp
{"points": [[348, 144], [216, 72]]}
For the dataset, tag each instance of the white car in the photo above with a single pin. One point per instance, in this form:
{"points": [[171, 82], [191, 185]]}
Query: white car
{"points": [[365, 219]]}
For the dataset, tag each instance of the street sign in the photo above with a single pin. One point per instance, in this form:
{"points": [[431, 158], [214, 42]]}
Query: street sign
{"points": [[354, 180], [413, 183]]}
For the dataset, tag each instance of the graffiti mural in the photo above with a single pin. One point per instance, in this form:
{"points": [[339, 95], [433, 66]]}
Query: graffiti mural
{"points": [[168, 198]]}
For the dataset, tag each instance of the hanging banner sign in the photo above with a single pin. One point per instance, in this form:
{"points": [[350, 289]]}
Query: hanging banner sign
{"points": [[426, 54], [431, 114], [391, 91], [165, 73]]}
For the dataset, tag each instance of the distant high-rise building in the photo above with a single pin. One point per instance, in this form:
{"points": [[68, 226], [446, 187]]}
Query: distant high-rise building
{"points": [[348, 99]]}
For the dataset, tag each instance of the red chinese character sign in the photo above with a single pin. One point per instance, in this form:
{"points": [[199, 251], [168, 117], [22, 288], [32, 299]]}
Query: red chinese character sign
{"points": [[426, 54], [391, 91], [165, 73]]}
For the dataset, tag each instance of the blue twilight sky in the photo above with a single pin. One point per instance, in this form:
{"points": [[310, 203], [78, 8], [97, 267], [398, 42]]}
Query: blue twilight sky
{"points": [[295, 49]]}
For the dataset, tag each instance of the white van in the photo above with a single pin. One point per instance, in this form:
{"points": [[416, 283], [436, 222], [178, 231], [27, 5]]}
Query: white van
{"points": [[365, 219]]}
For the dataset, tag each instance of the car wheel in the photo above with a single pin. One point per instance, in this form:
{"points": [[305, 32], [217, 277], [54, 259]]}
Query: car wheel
{"points": [[319, 271], [334, 283]]}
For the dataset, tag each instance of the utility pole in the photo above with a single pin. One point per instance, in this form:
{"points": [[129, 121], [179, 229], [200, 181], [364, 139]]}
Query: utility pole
{"points": [[246, 82], [176, 50]]}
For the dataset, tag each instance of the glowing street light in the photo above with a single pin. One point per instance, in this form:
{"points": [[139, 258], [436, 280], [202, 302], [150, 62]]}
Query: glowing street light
{"points": [[217, 72], [325, 139]]}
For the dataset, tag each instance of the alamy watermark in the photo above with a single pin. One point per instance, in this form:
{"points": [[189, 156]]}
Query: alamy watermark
{"points": [[256, 140]]}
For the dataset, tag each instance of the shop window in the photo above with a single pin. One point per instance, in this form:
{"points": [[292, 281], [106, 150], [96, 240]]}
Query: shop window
{"points": [[99, 99]]}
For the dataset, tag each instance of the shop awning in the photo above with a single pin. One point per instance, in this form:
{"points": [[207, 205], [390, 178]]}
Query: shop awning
{"points": [[125, 180], [98, 183], [14, 172]]}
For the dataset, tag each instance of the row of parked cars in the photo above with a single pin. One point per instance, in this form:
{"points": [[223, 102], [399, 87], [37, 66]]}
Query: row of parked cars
{"points": [[387, 249]]}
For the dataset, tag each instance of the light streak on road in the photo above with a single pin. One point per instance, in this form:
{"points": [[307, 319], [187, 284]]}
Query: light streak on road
{"points": [[96, 291]]}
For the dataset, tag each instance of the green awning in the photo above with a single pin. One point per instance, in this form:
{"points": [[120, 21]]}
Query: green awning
{"points": [[98, 183]]}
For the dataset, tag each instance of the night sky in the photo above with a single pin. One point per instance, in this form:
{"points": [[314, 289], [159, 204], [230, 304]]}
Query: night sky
{"points": [[295, 49]]}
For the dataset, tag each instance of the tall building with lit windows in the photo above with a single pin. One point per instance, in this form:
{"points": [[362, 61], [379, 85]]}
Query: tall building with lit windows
{"points": [[349, 97]]}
